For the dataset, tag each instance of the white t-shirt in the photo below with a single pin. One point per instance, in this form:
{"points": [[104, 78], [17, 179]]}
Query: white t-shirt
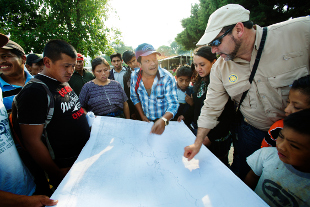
{"points": [[14, 176], [279, 184]]}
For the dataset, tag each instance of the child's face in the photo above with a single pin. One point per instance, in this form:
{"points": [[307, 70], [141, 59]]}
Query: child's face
{"points": [[133, 63], [297, 101], [294, 149], [183, 82]]}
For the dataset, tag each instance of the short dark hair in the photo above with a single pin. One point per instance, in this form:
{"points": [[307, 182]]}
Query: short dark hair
{"points": [[115, 55], [139, 59], [128, 55], [184, 71], [98, 61], [248, 24], [54, 48], [299, 121], [303, 85]]}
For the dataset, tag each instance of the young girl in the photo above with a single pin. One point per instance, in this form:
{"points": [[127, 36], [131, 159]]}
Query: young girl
{"points": [[219, 136], [298, 99]]}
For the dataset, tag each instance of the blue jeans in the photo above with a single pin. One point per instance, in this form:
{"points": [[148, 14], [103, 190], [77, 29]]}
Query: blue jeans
{"points": [[248, 140]]}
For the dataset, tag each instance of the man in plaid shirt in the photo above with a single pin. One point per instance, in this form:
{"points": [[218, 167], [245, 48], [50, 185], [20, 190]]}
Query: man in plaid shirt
{"points": [[153, 90]]}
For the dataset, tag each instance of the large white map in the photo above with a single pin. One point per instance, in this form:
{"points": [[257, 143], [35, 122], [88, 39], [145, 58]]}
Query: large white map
{"points": [[122, 164]]}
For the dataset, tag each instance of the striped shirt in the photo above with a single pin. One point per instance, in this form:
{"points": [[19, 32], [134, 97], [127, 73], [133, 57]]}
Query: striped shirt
{"points": [[102, 100], [10, 91], [163, 97]]}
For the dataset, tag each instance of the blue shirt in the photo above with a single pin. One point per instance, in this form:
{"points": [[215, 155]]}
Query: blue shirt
{"points": [[118, 76], [163, 96], [10, 91]]}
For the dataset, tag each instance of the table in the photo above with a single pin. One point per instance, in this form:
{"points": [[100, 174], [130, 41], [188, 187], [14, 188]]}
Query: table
{"points": [[122, 164]]}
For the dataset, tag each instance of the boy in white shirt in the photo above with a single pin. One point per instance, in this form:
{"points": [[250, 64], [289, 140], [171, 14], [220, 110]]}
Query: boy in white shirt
{"points": [[281, 175]]}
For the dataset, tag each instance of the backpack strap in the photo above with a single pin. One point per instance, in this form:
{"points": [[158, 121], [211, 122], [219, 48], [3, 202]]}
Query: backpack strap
{"points": [[49, 113]]}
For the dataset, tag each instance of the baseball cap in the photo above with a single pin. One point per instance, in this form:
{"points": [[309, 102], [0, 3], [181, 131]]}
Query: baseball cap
{"points": [[224, 16], [80, 57], [145, 49], [13, 45], [3, 40], [33, 58], [128, 55]]}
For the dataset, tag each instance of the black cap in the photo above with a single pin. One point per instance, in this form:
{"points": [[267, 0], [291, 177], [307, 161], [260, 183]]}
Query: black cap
{"points": [[128, 55], [33, 58], [13, 45]]}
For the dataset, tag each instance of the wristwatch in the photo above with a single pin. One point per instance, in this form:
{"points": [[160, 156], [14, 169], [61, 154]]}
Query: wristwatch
{"points": [[165, 120]]}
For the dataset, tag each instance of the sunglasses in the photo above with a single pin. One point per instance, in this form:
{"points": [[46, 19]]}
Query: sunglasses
{"points": [[217, 41]]}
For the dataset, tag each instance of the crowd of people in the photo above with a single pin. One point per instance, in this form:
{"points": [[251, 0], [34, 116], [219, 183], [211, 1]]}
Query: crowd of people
{"points": [[247, 86]]}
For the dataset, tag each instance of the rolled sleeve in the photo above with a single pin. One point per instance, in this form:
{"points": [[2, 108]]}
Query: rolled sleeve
{"points": [[172, 98]]}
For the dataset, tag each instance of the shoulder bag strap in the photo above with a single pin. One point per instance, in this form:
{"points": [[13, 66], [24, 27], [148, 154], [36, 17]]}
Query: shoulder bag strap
{"points": [[257, 59]]}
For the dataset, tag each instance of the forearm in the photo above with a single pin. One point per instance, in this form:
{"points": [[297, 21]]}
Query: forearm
{"points": [[201, 134], [32, 140], [251, 179], [13, 200], [168, 115], [126, 110], [10, 199], [139, 109], [41, 155]]}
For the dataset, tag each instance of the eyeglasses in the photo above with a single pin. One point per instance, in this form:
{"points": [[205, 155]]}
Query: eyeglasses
{"points": [[217, 41]]}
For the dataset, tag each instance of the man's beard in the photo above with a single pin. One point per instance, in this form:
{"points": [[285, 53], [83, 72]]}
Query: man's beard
{"points": [[233, 54]]}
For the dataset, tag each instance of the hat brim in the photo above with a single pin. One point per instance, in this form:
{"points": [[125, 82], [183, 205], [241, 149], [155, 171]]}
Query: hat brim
{"points": [[149, 53], [3, 40], [208, 37], [37, 60]]}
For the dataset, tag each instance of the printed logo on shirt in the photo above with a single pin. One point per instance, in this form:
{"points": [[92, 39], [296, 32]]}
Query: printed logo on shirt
{"points": [[6, 140], [65, 90], [277, 194], [73, 103], [233, 78]]}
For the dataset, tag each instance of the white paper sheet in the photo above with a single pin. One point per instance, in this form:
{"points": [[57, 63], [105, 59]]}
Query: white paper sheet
{"points": [[122, 164]]}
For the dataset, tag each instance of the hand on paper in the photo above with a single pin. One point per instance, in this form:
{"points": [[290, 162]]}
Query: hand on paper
{"points": [[180, 118], [158, 127], [144, 118], [190, 151], [39, 200]]}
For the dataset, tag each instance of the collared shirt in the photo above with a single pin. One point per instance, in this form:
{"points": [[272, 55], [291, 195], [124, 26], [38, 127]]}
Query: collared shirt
{"points": [[118, 76], [10, 91], [285, 58], [163, 96], [77, 81]]}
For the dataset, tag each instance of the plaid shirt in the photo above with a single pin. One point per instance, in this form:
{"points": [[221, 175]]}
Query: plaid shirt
{"points": [[163, 97]]}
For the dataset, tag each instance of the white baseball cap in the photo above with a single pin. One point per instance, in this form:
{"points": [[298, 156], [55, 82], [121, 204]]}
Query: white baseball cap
{"points": [[224, 16]]}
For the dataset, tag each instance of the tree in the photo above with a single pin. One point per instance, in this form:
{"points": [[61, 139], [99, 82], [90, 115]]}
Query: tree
{"points": [[263, 13], [32, 23], [165, 51], [120, 47]]}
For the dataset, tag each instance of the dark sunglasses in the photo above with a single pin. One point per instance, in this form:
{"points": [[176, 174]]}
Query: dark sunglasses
{"points": [[217, 41]]}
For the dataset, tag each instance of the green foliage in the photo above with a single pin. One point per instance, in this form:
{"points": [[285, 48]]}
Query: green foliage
{"points": [[120, 47], [32, 23], [263, 13], [165, 50], [173, 49]]}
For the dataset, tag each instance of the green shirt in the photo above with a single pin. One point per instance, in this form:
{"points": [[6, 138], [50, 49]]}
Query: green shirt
{"points": [[77, 81]]}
